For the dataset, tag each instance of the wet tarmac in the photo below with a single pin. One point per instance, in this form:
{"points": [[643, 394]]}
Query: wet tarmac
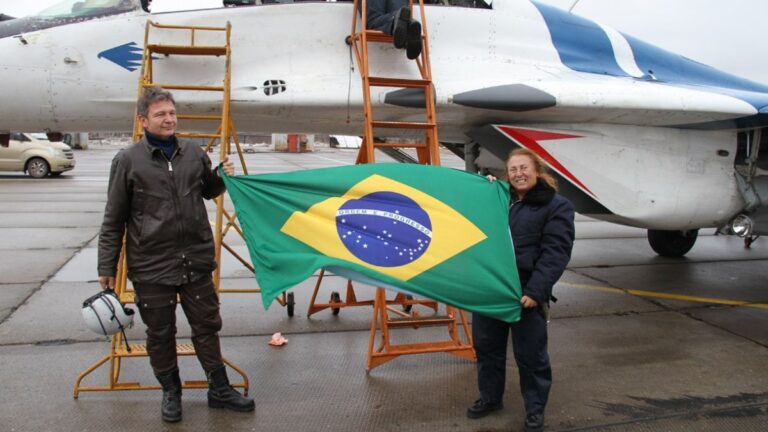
{"points": [[638, 342]]}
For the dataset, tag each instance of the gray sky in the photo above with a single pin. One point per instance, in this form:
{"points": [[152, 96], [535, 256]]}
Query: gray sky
{"points": [[726, 35]]}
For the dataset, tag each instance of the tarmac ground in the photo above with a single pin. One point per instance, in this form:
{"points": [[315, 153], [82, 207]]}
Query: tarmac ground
{"points": [[638, 342]]}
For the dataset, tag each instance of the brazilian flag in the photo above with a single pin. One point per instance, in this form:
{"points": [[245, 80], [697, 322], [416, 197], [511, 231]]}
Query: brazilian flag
{"points": [[435, 232]]}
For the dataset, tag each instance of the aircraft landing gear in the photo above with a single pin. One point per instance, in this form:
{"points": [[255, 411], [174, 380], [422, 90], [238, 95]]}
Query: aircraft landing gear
{"points": [[672, 243], [749, 240], [290, 303]]}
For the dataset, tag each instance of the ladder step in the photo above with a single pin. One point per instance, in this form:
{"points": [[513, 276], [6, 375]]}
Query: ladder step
{"points": [[378, 36], [198, 117], [402, 125], [421, 322], [197, 135], [400, 145], [138, 350], [398, 82], [185, 87], [183, 135], [187, 49]]}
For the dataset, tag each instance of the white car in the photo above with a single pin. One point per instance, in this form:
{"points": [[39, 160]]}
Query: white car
{"points": [[35, 155]]}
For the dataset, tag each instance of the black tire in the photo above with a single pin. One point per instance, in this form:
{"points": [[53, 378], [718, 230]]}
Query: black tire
{"points": [[408, 307], [290, 303], [672, 243], [335, 298], [38, 167]]}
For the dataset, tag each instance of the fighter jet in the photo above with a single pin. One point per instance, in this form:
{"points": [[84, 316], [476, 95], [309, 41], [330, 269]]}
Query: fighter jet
{"points": [[637, 135]]}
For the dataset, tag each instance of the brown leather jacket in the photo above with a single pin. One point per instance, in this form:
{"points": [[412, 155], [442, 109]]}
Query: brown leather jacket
{"points": [[161, 203]]}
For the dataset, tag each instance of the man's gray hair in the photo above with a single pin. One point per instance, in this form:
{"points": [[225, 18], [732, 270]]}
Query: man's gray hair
{"points": [[151, 95]]}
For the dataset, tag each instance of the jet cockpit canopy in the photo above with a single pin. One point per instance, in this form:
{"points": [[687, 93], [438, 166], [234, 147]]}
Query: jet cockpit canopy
{"points": [[88, 8]]}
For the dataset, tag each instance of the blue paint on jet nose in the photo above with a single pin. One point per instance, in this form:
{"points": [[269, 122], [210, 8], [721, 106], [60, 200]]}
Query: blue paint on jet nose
{"points": [[127, 56]]}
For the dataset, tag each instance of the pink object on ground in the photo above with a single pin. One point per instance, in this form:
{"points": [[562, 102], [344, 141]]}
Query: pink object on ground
{"points": [[278, 340]]}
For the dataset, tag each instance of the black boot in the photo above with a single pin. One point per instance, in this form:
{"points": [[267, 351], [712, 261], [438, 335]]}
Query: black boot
{"points": [[413, 44], [400, 27], [222, 395], [171, 408], [534, 423]]}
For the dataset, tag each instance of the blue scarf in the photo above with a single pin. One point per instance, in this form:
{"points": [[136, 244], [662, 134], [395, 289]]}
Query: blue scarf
{"points": [[167, 145]]}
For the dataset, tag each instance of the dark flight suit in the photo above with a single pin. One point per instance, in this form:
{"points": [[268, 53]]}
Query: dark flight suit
{"points": [[542, 231]]}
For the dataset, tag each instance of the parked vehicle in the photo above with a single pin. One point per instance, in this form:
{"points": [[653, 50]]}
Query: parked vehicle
{"points": [[34, 154]]}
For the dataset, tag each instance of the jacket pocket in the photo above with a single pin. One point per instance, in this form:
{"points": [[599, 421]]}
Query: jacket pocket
{"points": [[198, 225], [154, 212]]}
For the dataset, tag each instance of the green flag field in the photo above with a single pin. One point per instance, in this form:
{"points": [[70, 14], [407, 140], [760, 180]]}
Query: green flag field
{"points": [[434, 232]]}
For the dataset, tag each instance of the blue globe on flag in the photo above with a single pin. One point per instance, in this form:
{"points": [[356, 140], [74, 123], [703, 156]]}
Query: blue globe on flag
{"points": [[386, 229]]}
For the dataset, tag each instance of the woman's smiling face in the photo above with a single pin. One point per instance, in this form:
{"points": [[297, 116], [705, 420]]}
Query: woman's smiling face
{"points": [[522, 174]]}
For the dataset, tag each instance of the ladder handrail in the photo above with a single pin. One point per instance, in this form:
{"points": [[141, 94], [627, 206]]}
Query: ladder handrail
{"points": [[192, 30]]}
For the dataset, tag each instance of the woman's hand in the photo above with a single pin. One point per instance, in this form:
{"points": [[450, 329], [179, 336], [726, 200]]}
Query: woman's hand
{"points": [[528, 302]]}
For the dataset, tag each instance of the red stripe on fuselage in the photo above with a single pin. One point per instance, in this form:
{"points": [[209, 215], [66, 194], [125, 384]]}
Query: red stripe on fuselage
{"points": [[530, 138]]}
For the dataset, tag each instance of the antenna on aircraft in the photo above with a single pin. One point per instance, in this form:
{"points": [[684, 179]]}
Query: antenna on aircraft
{"points": [[575, 2]]}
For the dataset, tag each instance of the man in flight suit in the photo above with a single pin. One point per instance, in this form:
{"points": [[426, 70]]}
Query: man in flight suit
{"points": [[156, 191]]}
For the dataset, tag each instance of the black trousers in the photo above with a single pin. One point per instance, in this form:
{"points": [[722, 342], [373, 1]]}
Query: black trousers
{"points": [[380, 14], [529, 344], [157, 306]]}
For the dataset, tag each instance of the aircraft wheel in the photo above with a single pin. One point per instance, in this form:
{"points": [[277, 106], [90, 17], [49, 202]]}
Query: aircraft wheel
{"points": [[408, 307], [335, 298], [672, 243], [38, 167], [289, 303]]}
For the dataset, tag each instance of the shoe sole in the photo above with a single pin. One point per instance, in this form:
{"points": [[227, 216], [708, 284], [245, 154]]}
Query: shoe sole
{"points": [[413, 46], [476, 415], [400, 31], [172, 419], [219, 405]]}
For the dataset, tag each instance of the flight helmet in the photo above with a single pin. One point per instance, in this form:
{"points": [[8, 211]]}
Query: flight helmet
{"points": [[104, 314]]}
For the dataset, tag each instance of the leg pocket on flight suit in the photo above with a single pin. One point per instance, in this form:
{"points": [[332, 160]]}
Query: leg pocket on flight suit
{"points": [[200, 290], [156, 301], [156, 308], [201, 305]]}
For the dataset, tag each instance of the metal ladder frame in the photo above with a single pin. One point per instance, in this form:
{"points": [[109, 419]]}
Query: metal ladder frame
{"points": [[427, 153]]}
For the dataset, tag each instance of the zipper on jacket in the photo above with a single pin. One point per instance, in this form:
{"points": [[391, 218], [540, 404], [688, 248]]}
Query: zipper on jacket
{"points": [[177, 212]]}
